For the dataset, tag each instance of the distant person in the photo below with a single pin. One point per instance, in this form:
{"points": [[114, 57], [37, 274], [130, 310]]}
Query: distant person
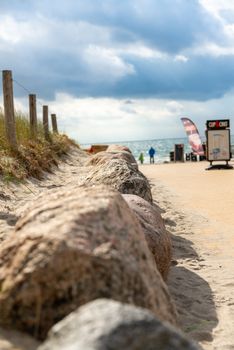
{"points": [[151, 154], [141, 158]]}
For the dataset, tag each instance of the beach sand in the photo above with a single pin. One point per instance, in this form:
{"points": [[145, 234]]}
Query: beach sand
{"points": [[198, 208]]}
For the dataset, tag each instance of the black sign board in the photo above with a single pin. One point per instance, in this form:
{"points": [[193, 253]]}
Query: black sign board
{"points": [[179, 153], [217, 124]]}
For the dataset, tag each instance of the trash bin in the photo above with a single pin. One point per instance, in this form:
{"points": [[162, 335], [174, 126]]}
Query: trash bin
{"points": [[193, 157], [172, 158], [179, 153]]}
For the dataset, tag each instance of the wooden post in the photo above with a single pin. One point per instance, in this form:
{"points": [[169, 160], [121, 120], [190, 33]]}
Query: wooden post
{"points": [[9, 109], [33, 115], [54, 123], [46, 122]]}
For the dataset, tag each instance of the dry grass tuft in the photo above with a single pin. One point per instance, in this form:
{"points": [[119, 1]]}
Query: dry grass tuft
{"points": [[33, 156]]}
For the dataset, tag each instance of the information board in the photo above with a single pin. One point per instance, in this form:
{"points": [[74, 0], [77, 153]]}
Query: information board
{"points": [[218, 144]]}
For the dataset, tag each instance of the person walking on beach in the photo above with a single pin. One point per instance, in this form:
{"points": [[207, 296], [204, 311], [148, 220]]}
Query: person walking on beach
{"points": [[151, 154], [141, 158]]}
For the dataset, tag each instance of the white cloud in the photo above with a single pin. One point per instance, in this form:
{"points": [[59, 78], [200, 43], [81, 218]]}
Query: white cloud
{"points": [[212, 49], [139, 49], [99, 120], [14, 32], [104, 63], [215, 6], [218, 9], [49, 33], [181, 58], [90, 120], [107, 119], [175, 107]]}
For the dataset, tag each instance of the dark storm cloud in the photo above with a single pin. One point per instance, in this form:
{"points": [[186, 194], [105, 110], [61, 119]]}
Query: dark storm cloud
{"points": [[201, 78], [80, 50], [168, 25]]}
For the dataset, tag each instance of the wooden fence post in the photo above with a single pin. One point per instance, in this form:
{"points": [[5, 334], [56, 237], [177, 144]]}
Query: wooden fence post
{"points": [[9, 109], [33, 115], [46, 122], [54, 123]]}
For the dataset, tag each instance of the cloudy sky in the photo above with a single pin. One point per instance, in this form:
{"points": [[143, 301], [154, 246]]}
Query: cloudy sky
{"points": [[122, 70]]}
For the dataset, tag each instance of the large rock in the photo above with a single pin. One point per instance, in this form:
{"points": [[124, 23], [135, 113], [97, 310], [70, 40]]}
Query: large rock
{"points": [[103, 157], [72, 247], [122, 176], [109, 325], [13, 340], [156, 235], [120, 148]]}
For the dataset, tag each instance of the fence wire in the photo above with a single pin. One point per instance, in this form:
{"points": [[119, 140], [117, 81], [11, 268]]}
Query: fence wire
{"points": [[29, 92]]}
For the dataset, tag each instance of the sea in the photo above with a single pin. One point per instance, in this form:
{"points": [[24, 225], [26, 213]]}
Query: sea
{"points": [[162, 147]]}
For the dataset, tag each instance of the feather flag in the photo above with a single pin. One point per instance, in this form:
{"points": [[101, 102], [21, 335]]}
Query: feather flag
{"points": [[193, 136]]}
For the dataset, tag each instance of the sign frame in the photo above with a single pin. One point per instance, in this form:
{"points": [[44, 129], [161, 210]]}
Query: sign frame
{"points": [[218, 141], [218, 144]]}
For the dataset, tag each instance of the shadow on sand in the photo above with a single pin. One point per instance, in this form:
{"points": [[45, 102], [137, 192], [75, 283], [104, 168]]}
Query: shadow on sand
{"points": [[9, 218], [192, 294]]}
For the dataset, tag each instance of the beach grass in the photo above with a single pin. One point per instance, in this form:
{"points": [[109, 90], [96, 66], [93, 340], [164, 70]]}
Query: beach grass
{"points": [[34, 156]]}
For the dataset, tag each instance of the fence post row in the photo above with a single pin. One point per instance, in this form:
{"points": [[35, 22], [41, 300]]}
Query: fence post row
{"points": [[9, 113], [54, 123], [9, 109], [46, 122], [33, 115]]}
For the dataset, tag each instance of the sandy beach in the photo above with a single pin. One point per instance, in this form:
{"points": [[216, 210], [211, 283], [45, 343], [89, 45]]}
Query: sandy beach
{"points": [[197, 206]]}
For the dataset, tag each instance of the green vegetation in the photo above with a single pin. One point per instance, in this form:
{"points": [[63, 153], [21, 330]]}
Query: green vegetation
{"points": [[33, 156]]}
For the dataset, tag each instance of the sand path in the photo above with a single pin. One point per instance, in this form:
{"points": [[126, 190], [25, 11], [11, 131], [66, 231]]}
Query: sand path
{"points": [[198, 208]]}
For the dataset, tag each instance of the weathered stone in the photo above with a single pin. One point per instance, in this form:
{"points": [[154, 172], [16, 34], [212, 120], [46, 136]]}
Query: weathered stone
{"points": [[156, 235], [122, 176], [14, 340], [120, 148], [109, 325], [72, 247], [103, 157]]}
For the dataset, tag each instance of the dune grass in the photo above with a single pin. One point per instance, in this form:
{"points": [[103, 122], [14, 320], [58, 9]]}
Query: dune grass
{"points": [[33, 156]]}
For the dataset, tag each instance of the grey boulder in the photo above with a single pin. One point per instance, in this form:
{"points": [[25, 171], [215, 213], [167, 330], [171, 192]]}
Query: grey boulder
{"points": [[110, 325], [104, 157], [120, 148], [121, 175]]}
